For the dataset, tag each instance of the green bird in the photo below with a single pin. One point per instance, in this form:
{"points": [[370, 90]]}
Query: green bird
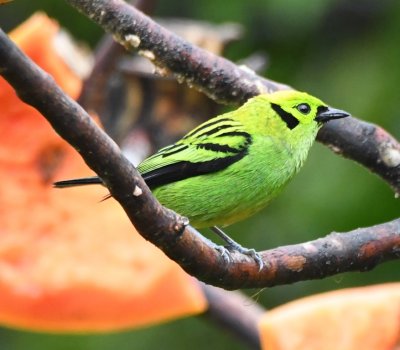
{"points": [[233, 165]]}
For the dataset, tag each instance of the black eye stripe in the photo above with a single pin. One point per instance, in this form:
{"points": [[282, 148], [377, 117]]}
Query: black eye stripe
{"points": [[290, 120]]}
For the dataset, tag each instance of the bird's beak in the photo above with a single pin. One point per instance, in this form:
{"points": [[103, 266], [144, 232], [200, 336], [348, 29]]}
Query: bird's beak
{"points": [[329, 113]]}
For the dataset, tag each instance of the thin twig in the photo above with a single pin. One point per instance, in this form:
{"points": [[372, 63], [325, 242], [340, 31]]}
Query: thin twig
{"points": [[360, 249], [225, 82]]}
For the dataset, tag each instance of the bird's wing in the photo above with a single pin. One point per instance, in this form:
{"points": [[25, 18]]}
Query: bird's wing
{"points": [[212, 146]]}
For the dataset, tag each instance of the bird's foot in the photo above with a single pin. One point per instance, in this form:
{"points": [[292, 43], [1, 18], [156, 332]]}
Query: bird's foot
{"points": [[225, 253], [234, 246], [247, 251]]}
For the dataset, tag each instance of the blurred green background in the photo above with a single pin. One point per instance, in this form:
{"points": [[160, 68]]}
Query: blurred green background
{"points": [[345, 52]]}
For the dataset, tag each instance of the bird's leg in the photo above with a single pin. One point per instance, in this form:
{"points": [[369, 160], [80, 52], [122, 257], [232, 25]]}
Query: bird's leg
{"points": [[233, 245]]}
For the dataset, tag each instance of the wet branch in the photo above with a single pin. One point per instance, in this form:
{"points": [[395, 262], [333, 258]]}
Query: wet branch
{"points": [[358, 250]]}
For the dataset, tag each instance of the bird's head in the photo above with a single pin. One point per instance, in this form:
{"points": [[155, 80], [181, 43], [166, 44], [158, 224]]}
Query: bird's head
{"points": [[298, 108]]}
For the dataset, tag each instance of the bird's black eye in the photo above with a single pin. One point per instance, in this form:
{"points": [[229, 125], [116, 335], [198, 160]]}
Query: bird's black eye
{"points": [[304, 108]]}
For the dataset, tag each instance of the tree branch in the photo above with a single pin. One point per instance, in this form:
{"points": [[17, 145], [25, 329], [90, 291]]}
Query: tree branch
{"points": [[225, 82], [367, 144], [218, 77], [360, 249]]}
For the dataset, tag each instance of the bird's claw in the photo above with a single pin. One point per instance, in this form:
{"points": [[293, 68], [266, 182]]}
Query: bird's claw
{"points": [[226, 255], [251, 253], [224, 252]]}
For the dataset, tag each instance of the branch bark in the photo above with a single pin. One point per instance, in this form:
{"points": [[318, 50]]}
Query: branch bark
{"points": [[360, 249], [225, 82], [218, 77]]}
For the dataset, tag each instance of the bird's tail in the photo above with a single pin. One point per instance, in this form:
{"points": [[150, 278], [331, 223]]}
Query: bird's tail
{"points": [[95, 180]]}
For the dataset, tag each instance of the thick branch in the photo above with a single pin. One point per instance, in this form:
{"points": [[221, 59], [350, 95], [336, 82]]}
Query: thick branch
{"points": [[356, 250], [225, 82], [367, 144]]}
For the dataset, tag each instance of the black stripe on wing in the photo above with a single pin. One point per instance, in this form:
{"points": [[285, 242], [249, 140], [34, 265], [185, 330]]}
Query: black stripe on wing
{"points": [[183, 170], [246, 135], [186, 169], [174, 149], [216, 147], [195, 132]]}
